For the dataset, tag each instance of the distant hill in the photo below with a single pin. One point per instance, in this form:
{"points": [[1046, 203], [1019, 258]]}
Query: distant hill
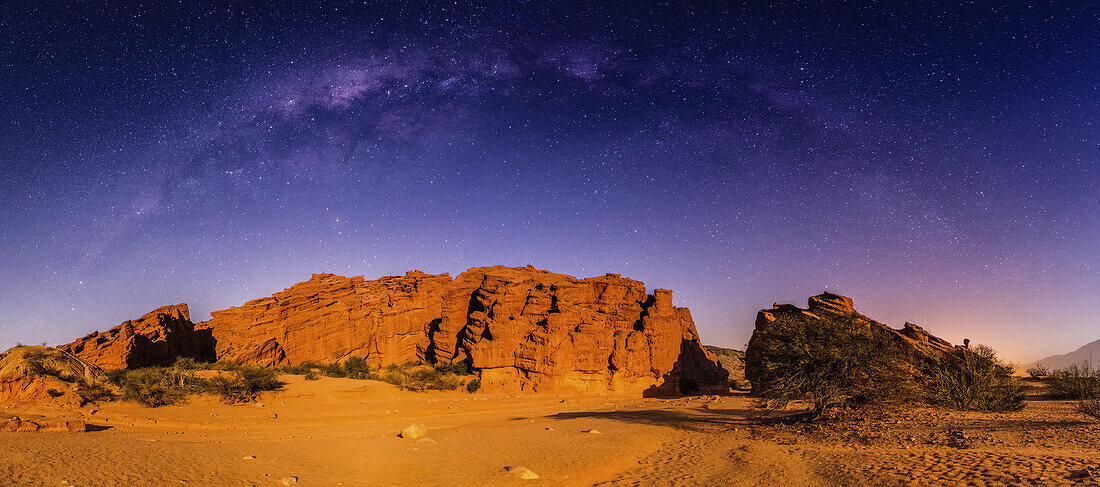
{"points": [[731, 360], [1079, 356]]}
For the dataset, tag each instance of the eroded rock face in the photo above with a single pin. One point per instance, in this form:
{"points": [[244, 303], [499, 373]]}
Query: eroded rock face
{"points": [[822, 306], [519, 328], [157, 338], [527, 329], [330, 318]]}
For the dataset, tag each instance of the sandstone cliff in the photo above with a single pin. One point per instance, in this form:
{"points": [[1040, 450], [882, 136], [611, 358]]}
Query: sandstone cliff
{"points": [[157, 338], [518, 328], [329, 318]]}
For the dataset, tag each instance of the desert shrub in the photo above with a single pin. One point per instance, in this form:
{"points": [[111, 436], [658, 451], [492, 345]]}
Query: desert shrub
{"points": [[830, 362], [976, 380], [358, 368], [1089, 407], [223, 365], [300, 369], [94, 391], [244, 384], [156, 386], [1038, 371], [1075, 382], [186, 363], [473, 386], [458, 368], [416, 376], [312, 375]]}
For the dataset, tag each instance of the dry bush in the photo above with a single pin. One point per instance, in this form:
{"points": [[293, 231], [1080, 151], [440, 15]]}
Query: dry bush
{"points": [[976, 380], [833, 363], [1075, 382], [1038, 371], [1089, 407]]}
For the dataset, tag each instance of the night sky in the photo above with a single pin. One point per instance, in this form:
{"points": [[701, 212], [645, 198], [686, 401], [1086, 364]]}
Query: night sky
{"points": [[938, 164]]}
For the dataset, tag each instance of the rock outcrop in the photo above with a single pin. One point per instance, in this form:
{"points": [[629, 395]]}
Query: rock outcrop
{"points": [[45, 374], [330, 318], [827, 305], [527, 329], [519, 328], [157, 338]]}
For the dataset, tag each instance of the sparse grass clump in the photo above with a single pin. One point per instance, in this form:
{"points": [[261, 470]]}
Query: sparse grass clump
{"points": [[414, 376], [244, 384], [976, 380], [420, 377]]}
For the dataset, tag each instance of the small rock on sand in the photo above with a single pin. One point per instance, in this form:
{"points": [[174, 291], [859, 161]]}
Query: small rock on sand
{"points": [[414, 431], [592, 431], [522, 472], [291, 480]]}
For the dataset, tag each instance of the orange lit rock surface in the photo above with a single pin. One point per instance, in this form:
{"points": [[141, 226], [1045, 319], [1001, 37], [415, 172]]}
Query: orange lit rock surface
{"points": [[330, 318], [528, 329], [157, 338], [519, 328]]}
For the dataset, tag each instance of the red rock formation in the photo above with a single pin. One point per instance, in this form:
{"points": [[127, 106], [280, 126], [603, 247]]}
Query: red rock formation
{"points": [[158, 338], [330, 318], [526, 329], [520, 328], [825, 305]]}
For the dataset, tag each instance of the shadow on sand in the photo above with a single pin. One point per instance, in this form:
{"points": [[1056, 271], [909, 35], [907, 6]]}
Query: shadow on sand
{"points": [[695, 419]]}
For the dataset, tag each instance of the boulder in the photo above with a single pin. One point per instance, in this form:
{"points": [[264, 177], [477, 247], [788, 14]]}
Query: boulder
{"points": [[523, 473], [414, 431], [157, 338]]}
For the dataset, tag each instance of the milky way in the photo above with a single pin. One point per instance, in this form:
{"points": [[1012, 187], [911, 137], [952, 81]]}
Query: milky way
{"points": [[936, 163]]}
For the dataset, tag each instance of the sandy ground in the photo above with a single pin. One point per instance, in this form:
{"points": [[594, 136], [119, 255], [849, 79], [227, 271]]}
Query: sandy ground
{"points": [[344, 432]]}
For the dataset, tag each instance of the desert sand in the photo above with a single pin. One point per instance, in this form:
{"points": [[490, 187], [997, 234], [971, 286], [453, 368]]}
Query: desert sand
{"points": [[345, 432]]}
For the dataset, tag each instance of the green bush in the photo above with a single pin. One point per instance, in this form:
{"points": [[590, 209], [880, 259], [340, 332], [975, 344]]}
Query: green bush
{"points": [[473, 386], [832, 362], [358, 368], [156, 386], [1075, 382], [976, 380], [244, 384], [312, 375]]}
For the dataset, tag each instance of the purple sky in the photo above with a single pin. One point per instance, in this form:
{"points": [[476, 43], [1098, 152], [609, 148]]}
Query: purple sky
{"points": [[938, 164]]}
